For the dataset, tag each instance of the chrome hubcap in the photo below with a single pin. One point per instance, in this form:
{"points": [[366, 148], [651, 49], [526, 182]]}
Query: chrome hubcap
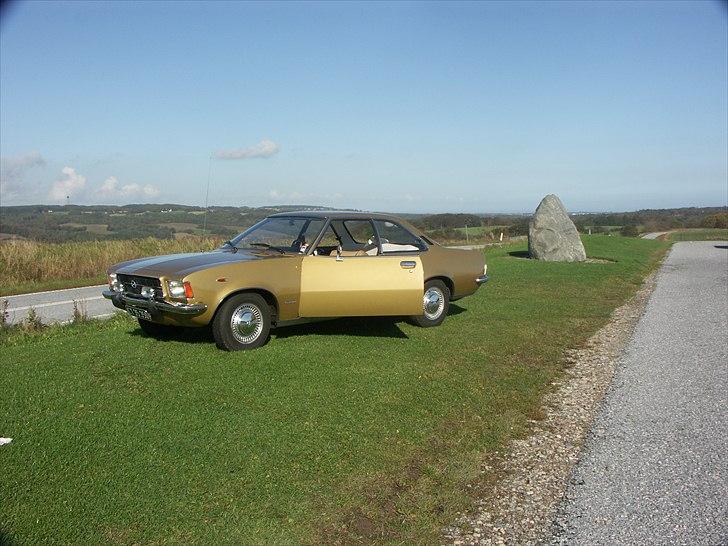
{"points": [[433, 303], [246, 323]]}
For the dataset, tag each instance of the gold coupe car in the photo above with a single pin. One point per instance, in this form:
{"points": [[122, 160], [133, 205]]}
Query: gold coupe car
{"points": [[298, 265]]}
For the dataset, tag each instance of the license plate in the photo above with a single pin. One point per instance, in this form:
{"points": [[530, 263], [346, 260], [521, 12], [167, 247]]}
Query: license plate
{"points": [[139, 313]]}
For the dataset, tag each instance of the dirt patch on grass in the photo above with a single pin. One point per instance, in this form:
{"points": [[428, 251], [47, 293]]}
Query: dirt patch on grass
{"points": [[380, 517], [600, 261], [521, 490]]}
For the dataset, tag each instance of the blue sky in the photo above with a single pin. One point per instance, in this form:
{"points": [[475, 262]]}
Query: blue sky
{"points": [[411, 107]]}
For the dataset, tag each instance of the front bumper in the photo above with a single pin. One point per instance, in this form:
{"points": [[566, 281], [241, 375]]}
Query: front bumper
{"points": [[481, 280], [155, 307]]}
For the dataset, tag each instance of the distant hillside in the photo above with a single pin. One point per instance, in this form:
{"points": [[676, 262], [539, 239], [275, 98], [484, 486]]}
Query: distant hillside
{"points": [[166, 221], [655, 219], [98, 222]]}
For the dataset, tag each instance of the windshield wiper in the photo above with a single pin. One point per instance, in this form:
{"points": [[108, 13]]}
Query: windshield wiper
{"points": [[231, 245], [266, 245]]}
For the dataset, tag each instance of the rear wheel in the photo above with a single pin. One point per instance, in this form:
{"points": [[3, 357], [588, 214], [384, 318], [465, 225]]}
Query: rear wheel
{"points": [[435, 304], [152, 329], [242, 322]]}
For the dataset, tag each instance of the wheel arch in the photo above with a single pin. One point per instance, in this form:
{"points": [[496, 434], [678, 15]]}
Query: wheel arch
{"points": [[268, 296], [447, 280]]}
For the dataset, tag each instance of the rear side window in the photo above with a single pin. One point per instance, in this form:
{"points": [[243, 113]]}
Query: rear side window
{"points": [[361, 231], [395, 238], [312, 230]]}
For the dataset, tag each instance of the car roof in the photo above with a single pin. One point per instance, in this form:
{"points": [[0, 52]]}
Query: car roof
{"points": [[350, 215], [336, 215]]}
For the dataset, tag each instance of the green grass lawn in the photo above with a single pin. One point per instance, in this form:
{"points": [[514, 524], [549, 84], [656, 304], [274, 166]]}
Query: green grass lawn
{"points": [[348, 430], [705, 234]]}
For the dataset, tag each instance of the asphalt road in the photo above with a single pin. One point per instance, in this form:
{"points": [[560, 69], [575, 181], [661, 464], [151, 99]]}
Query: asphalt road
{"points": [[57, 305], [655, 467]]}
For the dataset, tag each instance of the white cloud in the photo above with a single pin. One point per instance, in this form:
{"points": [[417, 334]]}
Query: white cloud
{"points": [[12, 172], [71, 184], [111, 189], [265, 148], [13, 168]]}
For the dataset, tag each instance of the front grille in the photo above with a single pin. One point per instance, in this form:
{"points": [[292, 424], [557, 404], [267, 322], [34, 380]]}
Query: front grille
{"points": [[133, 284]]}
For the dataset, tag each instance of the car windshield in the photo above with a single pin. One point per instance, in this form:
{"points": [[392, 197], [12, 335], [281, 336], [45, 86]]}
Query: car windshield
{"points": [[283, 234]]}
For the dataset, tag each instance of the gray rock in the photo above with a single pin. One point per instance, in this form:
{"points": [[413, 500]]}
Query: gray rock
{"points": [[552, 236]]}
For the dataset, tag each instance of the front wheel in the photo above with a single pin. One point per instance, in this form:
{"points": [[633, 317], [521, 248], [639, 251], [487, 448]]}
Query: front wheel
{"points": [[435, 304], [242, 322]]}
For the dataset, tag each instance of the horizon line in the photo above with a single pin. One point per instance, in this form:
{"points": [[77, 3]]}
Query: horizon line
{"points": [[323, 207]]}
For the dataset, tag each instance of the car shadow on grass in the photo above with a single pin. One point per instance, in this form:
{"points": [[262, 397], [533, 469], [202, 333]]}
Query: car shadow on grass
{"points": [[189, 335], [6, 539], [387, 327], [354, 326]]}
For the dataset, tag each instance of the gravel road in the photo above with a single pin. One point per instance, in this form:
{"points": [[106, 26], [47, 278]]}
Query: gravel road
{"points": [[57, 305], [655, 467]]}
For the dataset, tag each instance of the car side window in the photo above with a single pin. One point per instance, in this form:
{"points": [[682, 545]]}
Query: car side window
{"points": [[328, 244], [361, 231], [309, 234], [395, 238], [363, 235], [329, 238]]}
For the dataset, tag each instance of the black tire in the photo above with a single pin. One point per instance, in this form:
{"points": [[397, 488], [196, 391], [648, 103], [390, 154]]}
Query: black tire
{"points": [[437, 296], [242, 323], [152, 329]]}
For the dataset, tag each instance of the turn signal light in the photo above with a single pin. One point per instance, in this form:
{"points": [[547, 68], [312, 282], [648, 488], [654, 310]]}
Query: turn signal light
{"points": [[188, 290]]}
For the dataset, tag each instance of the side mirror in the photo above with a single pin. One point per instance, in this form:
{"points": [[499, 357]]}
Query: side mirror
{"points": [[338, 254]]}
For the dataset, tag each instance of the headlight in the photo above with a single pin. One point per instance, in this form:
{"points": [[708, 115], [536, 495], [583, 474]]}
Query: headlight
{"points": [[114, 284], [180, 290]]}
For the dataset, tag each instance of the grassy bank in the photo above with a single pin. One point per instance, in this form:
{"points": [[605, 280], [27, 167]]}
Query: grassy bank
{"points": [[708, 234], [342, 431], [27, 266]]}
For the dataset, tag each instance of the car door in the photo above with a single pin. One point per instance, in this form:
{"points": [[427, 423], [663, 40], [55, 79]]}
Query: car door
{"points": [[361, 286]]}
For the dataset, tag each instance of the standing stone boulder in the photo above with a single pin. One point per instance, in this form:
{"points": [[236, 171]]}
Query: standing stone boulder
{"points": [[552, 236]]}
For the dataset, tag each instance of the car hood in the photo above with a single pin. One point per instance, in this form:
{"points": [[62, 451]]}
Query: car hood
{"points": [[179, 265]]}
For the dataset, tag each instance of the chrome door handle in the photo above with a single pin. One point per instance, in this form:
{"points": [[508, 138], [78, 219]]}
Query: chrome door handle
{"points": [[408, 264]]}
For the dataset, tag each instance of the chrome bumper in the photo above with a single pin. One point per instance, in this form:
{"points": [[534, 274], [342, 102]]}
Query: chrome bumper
{"points": [[481, 280], [121, 300]]}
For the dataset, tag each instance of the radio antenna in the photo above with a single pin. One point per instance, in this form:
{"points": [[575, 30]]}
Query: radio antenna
{"points": [[207, 196]]}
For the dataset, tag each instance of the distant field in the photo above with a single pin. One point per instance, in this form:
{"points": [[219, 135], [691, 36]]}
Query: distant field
{"points": [[60, 224], [698, 235], [181, 226], [607, 229], [27, 266], [479, 231], [342, 432], [100, 229]]}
